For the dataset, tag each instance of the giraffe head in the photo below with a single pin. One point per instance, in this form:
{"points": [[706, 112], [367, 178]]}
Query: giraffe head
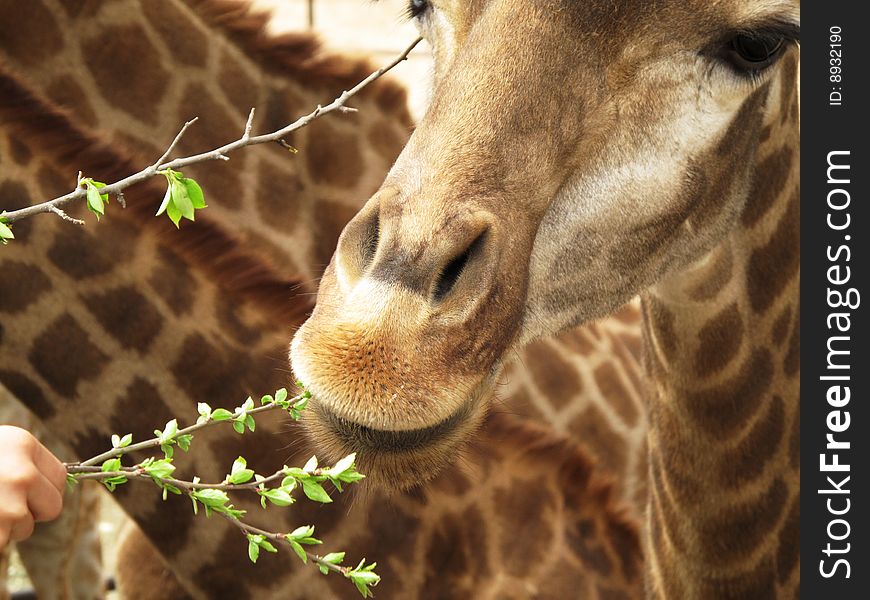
{"points": [[572, 154]]}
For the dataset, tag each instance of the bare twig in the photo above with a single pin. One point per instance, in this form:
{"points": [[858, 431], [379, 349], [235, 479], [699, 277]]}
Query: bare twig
{"points": [[217, 154]]}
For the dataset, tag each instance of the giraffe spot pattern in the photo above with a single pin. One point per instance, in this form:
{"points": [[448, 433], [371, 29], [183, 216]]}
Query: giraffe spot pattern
{"points": [[717, 276], [794, 442], [64, 355], [14, 195], [280, 194], [127, 315], [780, 327], [589, 551], [84, 253], [190, 48], [241, 89], [385, 140], [789, 545], [611, 387], [770, 177], [747, 460], [792, 362], [464, 557], [31, 34], [719, 341], [757, 584], [27, 392], [534, 528], [218, 180], [332, 156], [556, 379], [173, 282], [723, 409], [663, 324], [606, 445], [131, 76], [732, 534], [67, 93], [23, 285], [331, 217], [773, 265], [19, 151]]}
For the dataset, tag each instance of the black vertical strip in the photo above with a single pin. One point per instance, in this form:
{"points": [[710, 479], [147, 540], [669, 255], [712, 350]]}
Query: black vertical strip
{"points": [[835, 356]]}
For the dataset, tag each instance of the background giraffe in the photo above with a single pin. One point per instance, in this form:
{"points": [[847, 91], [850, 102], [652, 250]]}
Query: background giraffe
{"points": [[52, 77]]}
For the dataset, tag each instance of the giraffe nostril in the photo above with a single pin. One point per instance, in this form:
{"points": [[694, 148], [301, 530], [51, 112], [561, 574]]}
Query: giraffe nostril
{"points": [[453, 270], [370, 238]]}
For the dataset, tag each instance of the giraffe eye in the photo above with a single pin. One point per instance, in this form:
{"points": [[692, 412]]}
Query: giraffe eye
{"points": [[753, 53], [417, 8]]}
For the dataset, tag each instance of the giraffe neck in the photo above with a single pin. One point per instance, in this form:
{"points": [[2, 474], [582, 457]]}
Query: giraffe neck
{"points": [[722, 348]]}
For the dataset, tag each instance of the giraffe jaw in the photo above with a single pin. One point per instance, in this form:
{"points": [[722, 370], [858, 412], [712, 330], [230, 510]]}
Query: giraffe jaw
{"points": [[398, 459]]}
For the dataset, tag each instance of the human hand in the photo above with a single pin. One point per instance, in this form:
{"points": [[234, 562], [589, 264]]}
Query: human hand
{"points": [[32, 482]]}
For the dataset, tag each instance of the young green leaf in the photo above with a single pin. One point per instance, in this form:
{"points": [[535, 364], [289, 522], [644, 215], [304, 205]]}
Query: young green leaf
{"points": [[221, 414], [194, 192], [239, 427], [5, 233], [315, 491], [95, 201]]}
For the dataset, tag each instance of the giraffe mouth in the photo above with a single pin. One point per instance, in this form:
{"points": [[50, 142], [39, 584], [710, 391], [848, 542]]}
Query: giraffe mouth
{"points": [[385, 441]]}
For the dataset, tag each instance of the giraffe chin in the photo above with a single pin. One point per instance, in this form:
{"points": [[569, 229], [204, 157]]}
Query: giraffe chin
{"points": [[396, 460]]}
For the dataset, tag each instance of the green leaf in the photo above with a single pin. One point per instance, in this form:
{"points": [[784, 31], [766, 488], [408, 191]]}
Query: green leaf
{"points": [[281, 395], [95, 200], [240, 474], [174, 214], [5, 233], [253, 550], [310, 465], [278, 497], [169, 431], [334, 558], [194, 192], [315, 491], [183, 441], [239, 427], [181, 200], [221, 414], [125, 441], [113, 464], [300, 552], [343, 465], [211, 498], [301, 532], [249, 421], [167, 197], [160, 469]]}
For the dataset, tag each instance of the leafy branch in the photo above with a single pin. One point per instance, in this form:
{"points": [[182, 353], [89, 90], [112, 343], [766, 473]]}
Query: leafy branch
{"points": [[276, 489], [183, 195]]}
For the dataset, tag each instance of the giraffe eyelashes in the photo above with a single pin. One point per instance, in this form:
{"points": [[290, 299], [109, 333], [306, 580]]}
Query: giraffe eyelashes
{"points": [[416, 8], [750, 53]]}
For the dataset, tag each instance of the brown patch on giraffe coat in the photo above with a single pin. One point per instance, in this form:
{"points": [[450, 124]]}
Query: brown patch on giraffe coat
{"points": [[564, 579], [386, 141], [577, 341], [523, 515], [772, 266], [788, 86], [52, 182], [607, 593], [13, 194], [217, 180], [190, 46], [64, 355], [780, 327], [719, 341], [458, 556], [758, 584], [792, 361], [28, 393], [279, 195], [135, 145], [332, 156], [82, 253], [723, 409], [130, 76], [717, 276], [663, 325], [65, 91], [24, 284], [789, 544], [611, 387], [77, 8], [126, 315], [553, 376], [139, 396], [241, 89], [30, 33], [227, 313], [173, 282], [19, 151], [770, 175], [606, 445], [589, 551], [732, 533], [746, 462]]}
